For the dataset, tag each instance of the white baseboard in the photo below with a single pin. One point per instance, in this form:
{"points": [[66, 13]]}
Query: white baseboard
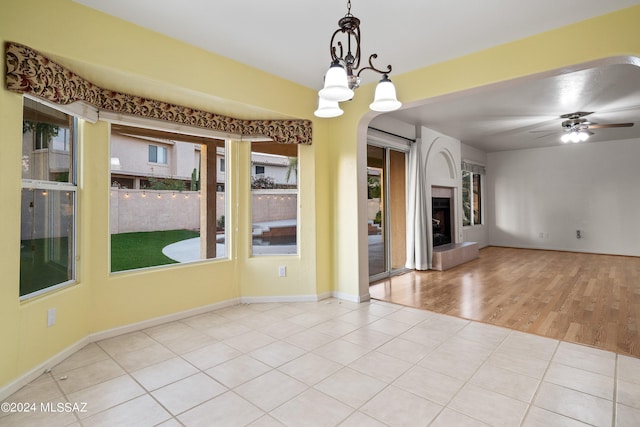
{"points": [[12, 387], [24, 379], [149, 323], [351, 298], [15, 385]]}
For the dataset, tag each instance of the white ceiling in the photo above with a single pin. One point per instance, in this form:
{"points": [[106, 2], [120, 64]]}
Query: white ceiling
{"points": [[290, 38], [526, 114]]}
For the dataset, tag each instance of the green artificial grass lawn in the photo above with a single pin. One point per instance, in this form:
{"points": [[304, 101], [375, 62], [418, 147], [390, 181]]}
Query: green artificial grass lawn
{"points": [[144, 249], [128, 251]]}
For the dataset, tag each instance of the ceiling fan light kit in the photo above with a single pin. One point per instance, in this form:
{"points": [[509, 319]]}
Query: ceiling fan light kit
{"points": [[343, 76], [575, 136], [576, 127]]}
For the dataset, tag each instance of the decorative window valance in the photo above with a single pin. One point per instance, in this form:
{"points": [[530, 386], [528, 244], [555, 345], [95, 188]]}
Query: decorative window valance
{"points": [[28, 71], [473, 168]]}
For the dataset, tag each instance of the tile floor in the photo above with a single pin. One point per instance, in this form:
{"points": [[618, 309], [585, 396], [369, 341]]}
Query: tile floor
{"points": [[334, 363]]}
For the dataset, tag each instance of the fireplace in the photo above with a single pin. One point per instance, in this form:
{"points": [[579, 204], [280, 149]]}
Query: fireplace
{"points": [[441, 220]]}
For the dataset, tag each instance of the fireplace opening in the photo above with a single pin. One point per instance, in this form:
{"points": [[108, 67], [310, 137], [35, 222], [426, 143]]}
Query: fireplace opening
{"points": [[441, 220]]}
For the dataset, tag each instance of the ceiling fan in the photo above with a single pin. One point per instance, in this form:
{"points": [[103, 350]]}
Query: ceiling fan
{"points": [[578, 129]]}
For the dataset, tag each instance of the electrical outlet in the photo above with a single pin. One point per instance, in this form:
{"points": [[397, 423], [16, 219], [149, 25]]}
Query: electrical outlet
{"points": [[282, 271], [51, 317]]}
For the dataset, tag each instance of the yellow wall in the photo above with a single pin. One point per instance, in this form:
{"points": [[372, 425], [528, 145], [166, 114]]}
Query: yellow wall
{"points": [[123, 57], [130, 59]]}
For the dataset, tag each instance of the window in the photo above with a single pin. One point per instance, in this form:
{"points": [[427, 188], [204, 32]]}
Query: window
{"points": [[274, 199], [48, 218], [162, 217], [477, 200], [471, 198], [157, 154], [221, 169]]}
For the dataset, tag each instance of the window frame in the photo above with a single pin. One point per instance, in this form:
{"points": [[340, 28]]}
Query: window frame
{"points": [[472, 198], [158, 149], [70, 187], [476, 205], [273, 193], [188, 137]]}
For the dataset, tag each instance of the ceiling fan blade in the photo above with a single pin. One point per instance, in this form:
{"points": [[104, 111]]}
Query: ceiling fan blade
{"points": [[545, 135], [547, 131], [611, 125]]}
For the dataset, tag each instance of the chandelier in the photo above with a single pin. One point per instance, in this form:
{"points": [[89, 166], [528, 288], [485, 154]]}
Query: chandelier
{"points": [[343, 75]]}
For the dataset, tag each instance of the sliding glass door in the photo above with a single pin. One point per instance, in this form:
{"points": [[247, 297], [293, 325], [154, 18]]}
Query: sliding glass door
{"points": [[386, 210]]}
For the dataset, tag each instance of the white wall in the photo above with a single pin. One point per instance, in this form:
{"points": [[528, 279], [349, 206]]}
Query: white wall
{"points": [[552, 192], [477, 233], [441, 160]]}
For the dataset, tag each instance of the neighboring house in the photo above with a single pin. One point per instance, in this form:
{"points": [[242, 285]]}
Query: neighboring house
{"points": [[280, 168], [45, 151], [135, 159], [45, 157]]}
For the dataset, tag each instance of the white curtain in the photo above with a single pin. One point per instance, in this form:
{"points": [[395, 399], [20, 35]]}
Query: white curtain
{"points": [[417, 231]]}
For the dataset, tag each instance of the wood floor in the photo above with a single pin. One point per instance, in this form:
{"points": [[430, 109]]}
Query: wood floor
{"points": [[582, 298]]}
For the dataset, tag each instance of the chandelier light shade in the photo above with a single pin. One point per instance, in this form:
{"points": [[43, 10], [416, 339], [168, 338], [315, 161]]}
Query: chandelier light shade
{"points": [[328, 109], [343, 76], [336, 86], [385, 98]]}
